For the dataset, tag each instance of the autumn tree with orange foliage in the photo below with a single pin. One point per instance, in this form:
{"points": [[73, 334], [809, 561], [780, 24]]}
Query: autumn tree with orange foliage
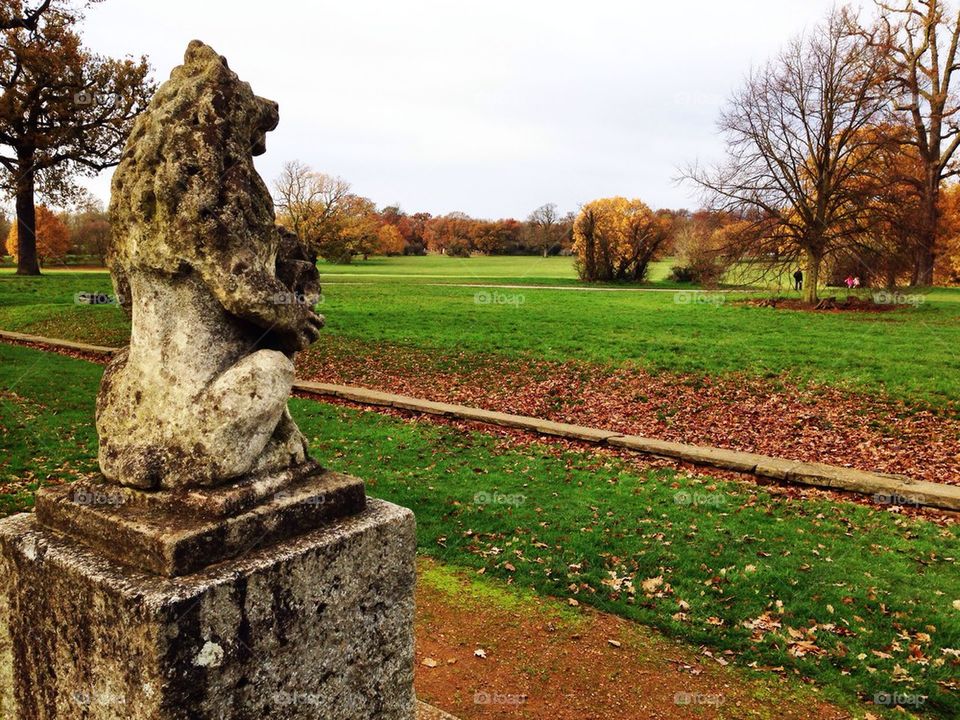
{"points": [[336, 223], [452, 234], [796, 151], [888, 203], [412, 228], [498, 236], [52, 236], [64, 112], [617, 239], [948, 267], [920, 40], [389, 240]]}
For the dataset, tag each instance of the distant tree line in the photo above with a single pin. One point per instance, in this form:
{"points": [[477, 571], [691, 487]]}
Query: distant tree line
{"points": [[841, 159], [340, 225], [76, 236]]}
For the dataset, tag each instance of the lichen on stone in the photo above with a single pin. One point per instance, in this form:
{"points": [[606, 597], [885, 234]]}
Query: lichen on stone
{"points": [[220, 298]]}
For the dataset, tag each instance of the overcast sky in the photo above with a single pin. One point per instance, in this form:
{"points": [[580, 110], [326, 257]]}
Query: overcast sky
{"points": [[492, 107]]}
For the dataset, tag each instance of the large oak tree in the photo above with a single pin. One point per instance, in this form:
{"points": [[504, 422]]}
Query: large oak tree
{"points": [[64, 111], [920, 38], [799, 161]]}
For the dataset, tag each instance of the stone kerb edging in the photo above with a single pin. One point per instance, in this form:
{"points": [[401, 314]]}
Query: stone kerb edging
{"points": [[57, 342], [894, 489], [890, 489]]}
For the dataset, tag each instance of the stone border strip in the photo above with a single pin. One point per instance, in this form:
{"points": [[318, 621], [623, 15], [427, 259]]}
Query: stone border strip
{"points": [[892, 489], [57, 342]]}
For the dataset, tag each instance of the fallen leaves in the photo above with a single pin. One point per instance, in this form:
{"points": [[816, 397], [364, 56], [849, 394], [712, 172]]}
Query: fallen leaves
{"points": [[800, 648], [651, 586], [761, 625], [775, 416]]}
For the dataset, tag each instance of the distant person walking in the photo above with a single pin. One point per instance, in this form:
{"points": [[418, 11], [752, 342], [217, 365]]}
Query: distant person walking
{"points": [[798, 280]]}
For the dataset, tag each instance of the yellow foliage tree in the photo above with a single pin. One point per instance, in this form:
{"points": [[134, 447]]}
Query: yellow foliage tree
{"points": [[53, 238], [948, 263], [389, 240], [616, 239]]}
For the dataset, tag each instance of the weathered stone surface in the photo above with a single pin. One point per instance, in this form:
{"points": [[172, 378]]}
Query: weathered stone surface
{"points": [[919, 492], [317, 627], [220, 298], [428, 712], [216, 572], [176, 533], [716, 457], [888, 489]]}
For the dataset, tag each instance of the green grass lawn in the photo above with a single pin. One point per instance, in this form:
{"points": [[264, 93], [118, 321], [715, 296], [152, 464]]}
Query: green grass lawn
{"points": [[493, 270], [860, 600], [908, 354], [436, 268]]}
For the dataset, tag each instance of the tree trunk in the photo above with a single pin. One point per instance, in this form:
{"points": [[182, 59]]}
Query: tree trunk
{"points": [[811, 277], [926, 244], [27, 263]]}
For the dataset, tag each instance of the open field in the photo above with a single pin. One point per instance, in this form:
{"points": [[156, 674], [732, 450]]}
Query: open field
{"points": [[494, 269], [860, 600], [908, 354]]}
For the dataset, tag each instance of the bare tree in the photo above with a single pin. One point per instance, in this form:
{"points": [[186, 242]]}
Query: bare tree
{"points": [[322, 211], [309, 202], [799, 154], [546, 228], [920, 37]]}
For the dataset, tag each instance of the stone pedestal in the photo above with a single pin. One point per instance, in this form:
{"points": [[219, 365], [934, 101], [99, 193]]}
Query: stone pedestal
{"points": [[296, 624]]}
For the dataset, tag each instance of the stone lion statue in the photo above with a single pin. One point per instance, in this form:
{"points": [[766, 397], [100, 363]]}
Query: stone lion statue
{"points": [[220, 298]]}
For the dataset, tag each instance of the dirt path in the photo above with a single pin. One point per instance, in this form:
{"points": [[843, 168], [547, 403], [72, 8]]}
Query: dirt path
{"points": [[547, 660]]}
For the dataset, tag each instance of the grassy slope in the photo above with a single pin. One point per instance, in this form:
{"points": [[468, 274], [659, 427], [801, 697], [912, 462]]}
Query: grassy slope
{"points": [[910, 353], [732, 552]]}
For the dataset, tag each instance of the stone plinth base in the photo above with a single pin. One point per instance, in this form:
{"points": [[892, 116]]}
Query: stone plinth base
{"points": [[177, 533], [316, 626]]}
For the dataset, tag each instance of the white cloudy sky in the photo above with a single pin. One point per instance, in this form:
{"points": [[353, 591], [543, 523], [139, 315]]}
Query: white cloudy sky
{"points": [[491, 107]]}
